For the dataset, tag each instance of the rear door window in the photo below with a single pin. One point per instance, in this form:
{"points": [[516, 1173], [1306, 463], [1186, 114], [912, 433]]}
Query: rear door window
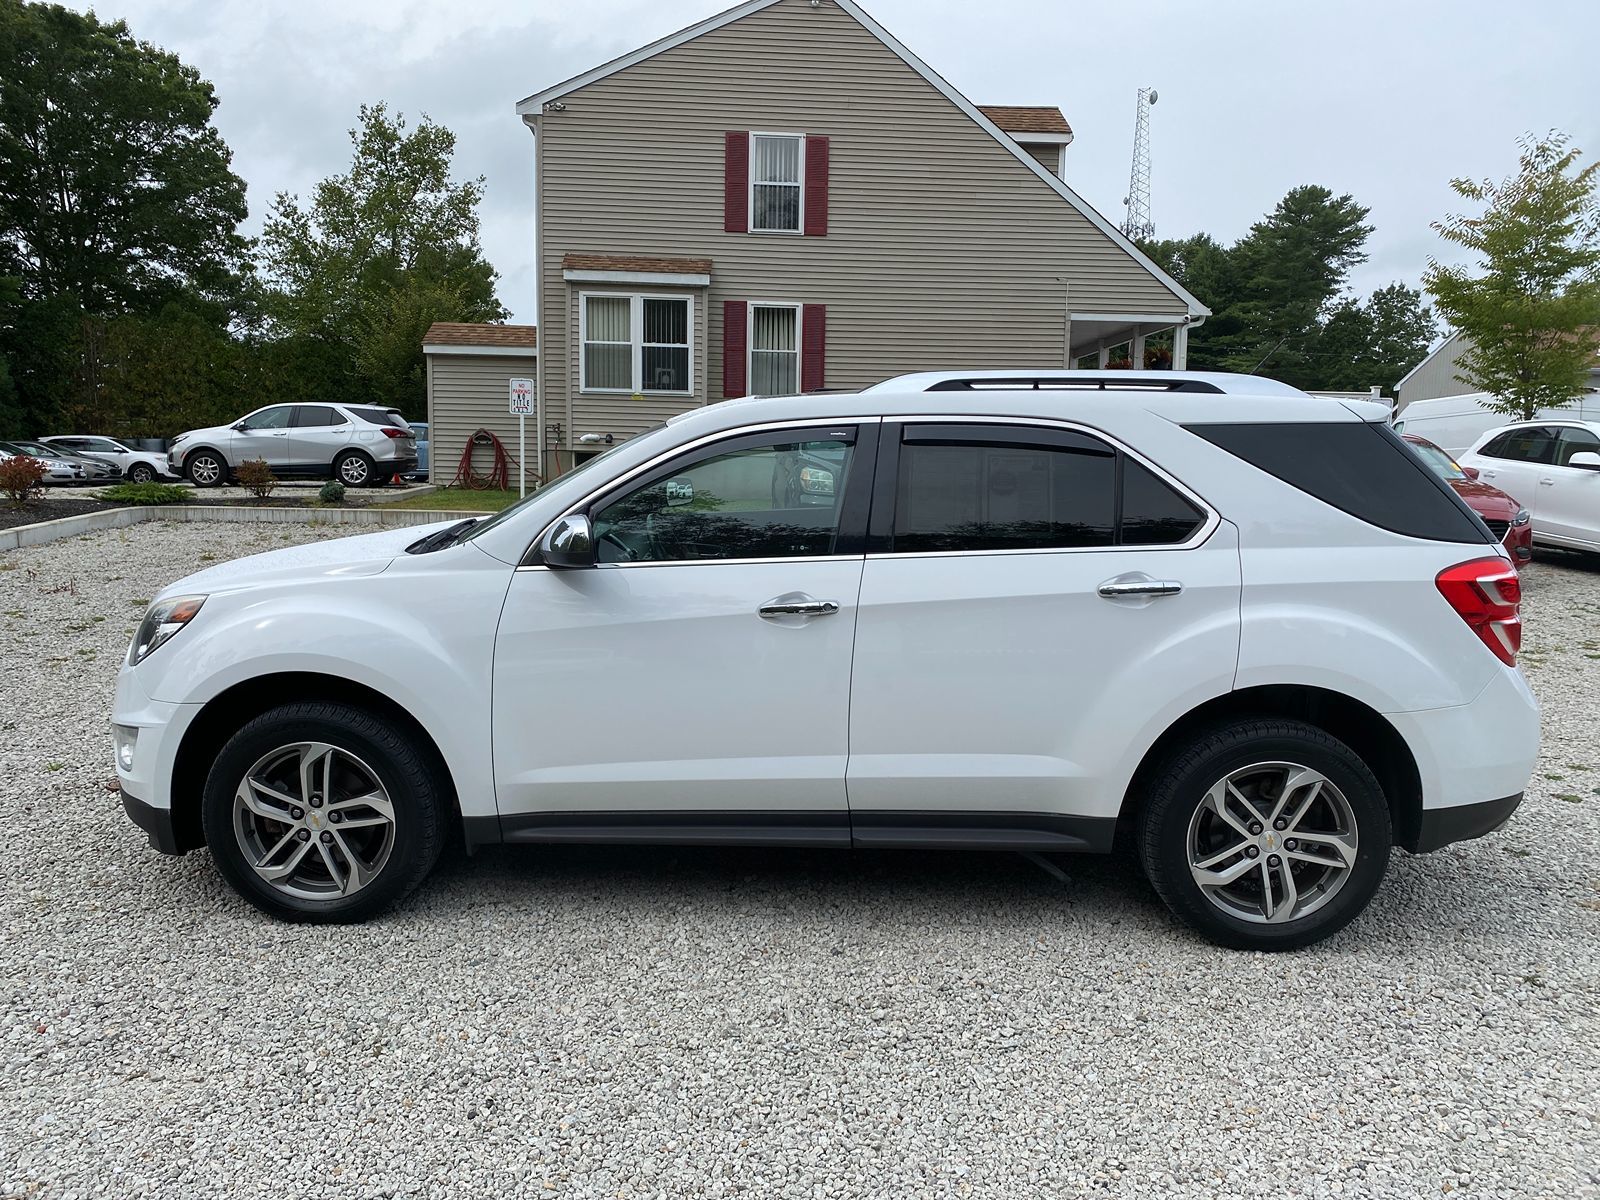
{"points": [[316, 416]]}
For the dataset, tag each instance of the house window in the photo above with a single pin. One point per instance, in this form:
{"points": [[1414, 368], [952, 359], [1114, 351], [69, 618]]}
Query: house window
{"points": [[636, 344], [775, 182], [774, 349]]}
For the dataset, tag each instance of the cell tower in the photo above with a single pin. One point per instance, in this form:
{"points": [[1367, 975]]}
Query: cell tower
{"points": [[1137, 224]]}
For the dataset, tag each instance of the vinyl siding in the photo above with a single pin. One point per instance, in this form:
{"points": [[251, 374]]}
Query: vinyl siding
{"points": [[943, 250], [1436, 376], [1047, 156], [468, 392]]}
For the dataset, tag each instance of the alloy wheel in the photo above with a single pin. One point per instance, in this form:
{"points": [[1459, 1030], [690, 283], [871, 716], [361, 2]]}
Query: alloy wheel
{"points": [[354, 470], [314, 821], [205, 470], [1272, 842]]}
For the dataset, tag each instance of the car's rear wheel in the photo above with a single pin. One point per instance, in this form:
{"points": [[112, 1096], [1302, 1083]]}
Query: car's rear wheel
{"points": [[355, 469], [1265, 834], [141, 473], [323, 812], [205, 468]]}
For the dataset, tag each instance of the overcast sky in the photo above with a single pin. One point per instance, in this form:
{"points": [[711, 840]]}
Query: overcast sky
{"points": [[1385, 99]]}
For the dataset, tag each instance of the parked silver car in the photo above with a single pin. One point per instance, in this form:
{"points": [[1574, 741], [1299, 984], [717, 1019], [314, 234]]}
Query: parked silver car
{"points": [[139, 466], [93, 470], [359, 445], [56, 470]]}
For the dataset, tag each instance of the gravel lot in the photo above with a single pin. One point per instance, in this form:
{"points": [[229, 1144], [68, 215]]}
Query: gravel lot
{"points": [[641, 1023]]}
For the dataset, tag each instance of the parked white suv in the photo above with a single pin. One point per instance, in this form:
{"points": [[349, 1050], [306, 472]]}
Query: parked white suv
{"points": [[358, 444], [1551, 468], [1255, 637], [136, 466]]}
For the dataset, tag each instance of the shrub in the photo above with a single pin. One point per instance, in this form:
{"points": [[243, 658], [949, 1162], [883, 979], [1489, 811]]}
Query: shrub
{"points": [[255, 477], [146, 493], [21, 479], [332, 492]]}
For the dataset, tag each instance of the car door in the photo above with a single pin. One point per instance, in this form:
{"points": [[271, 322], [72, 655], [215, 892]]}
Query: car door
{"points": [[694, 684], [316, 434], [1516, 460], [264, 434], [1569, 497], [1035, 601]]}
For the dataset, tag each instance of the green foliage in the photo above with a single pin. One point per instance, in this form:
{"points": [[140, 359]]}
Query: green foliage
{"points": [[1375, 342], [331, 492], [1530, 308], [115, 189], [146, 493], [378, 254], [255, 477]]}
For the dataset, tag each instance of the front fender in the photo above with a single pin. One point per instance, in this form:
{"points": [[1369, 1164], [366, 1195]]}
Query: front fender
{"points": [[421, 635]]}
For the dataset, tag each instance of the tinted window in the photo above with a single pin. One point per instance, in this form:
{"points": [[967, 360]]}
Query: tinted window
{"points": [[316, 416], [379, 416], [269, 418], [1360, 467], [772, 500], [1536, 444], [1153, 514], [106, 446], [960, 491], [1574, 440]]}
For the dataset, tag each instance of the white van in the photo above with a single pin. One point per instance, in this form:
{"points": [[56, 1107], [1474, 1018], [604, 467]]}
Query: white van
{"points": [[1454, 423]]}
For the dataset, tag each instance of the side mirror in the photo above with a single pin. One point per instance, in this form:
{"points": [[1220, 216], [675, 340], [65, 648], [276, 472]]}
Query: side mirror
{"points": [[1585, 460], [569, 544], [1470, 472]]}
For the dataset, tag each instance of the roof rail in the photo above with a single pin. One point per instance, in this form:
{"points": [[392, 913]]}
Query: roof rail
{"points": [[1084, 383], [1065, 380]]}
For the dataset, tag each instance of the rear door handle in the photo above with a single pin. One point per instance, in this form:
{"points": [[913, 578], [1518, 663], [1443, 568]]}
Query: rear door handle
{"points": [[799, 608], [1113, 588]]}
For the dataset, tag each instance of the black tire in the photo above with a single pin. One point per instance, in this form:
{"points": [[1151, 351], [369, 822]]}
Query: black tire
{"points": [[355, 469], [206, 468], [409, 778], [141, 473], [1178, 791]]}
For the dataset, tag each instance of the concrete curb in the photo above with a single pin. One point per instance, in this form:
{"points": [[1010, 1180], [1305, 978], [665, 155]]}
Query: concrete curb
{"points": [[120, 518]]}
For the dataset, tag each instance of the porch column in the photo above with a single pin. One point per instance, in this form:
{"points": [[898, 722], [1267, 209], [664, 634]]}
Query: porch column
{"points": [[1104, 356], [1180, 348], [1136, 351]]}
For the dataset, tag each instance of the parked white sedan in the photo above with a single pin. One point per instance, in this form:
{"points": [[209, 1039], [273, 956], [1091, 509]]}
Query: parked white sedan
{"points": [[138, 466], [1552, 468]]}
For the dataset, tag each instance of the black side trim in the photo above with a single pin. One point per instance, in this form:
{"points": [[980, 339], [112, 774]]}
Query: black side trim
{"points": [[697, 828], [156, 822], [938, 830], [1441, 826]]}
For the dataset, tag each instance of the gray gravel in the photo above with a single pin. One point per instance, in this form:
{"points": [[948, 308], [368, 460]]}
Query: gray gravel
{"points": [[641, 1023]]}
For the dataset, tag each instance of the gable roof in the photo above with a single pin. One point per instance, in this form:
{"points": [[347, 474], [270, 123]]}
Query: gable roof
{"points": [[531, 106], [1016, 118], [460, 333]]}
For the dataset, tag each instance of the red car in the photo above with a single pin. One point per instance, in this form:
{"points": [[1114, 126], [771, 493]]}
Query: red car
{"points": [[1504, 516]]}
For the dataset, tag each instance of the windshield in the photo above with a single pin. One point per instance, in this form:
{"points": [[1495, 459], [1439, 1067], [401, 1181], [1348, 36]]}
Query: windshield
{"points": [[1444, 466], [556, 486]]}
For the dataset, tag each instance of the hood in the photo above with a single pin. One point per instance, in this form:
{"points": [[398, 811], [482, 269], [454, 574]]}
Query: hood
{"points": [[1485, 499], [365, 554]]}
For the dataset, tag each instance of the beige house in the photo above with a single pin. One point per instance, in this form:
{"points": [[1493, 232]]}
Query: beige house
{"points": [[1437, 375], [470, 369], [782, 198]]}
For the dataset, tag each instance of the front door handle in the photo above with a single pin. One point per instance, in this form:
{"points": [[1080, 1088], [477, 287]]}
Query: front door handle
{"points": [[799, 608], [1113, 588], [1547, 483]]}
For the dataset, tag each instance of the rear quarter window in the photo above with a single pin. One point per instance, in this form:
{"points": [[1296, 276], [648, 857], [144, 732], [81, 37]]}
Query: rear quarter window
{"points": [[378, 416], [1359, 467]]}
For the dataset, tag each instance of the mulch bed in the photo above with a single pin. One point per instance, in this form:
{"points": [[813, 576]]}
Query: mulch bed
{"points": [[49, 510]]}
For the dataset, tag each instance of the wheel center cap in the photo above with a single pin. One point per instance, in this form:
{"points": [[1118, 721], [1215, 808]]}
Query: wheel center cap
{"points": [[313, 818], [1270, 840]]}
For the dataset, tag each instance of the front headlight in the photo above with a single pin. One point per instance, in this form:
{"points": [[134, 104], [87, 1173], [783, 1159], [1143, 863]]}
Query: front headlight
{"points": [[1522, 518], [163, 620]]}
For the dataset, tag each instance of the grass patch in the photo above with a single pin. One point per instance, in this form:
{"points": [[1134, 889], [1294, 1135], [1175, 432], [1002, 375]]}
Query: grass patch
{"points": [[464, 499], [1569, 798]]}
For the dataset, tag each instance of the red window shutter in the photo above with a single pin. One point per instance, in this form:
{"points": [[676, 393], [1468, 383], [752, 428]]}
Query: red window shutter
{"points": [[816, 186], [734, 334], [736, 183], [813, 346]]}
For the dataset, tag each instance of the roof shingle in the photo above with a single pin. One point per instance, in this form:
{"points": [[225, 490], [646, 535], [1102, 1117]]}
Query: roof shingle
{"points": [[1015, 118], [643, 263], [460, 333]]}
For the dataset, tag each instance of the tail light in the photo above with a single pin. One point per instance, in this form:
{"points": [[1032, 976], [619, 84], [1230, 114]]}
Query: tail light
{"points": [[1486, 593], [392, 432]]}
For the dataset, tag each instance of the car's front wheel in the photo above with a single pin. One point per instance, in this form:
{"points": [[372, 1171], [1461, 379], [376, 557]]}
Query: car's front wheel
{"points": [[205, 468], [323, 812], [141, 473], [1265, 834]]}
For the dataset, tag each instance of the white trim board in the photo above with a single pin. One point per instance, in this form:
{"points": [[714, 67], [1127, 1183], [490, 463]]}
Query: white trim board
{"points": [[659, 278], [1039, 139], [496, 351], [533, 105]]}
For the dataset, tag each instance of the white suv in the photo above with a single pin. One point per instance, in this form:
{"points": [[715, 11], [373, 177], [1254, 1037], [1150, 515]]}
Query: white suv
{"points": [[1252, 637], [1552, 468], [360, 445]]}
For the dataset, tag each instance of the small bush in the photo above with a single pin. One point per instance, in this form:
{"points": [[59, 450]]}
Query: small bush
{"points": [[146, 493], [255, 477], [22, 480], [332, 492]]}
